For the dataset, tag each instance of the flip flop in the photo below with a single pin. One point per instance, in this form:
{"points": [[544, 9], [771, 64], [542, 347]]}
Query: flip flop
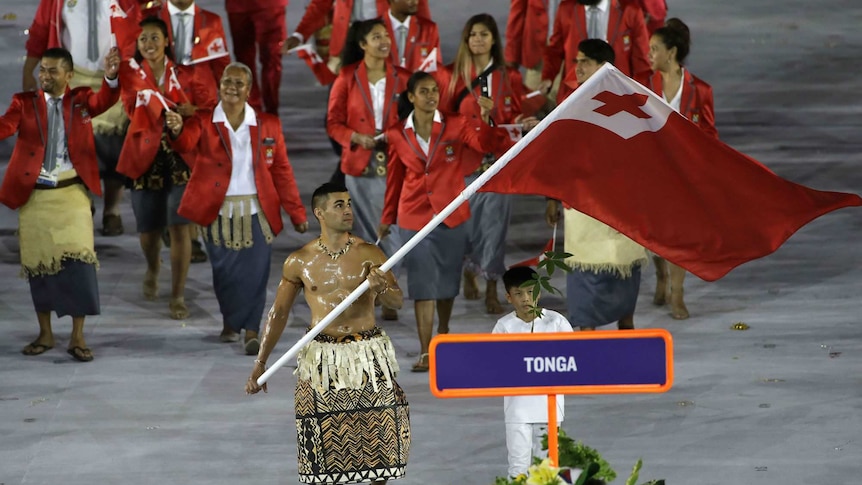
{"points": [[421, 365], [81, 354], [34, 348]]}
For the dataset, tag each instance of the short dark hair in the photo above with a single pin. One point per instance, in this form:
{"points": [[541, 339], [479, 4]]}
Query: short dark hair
{"points": [[517, 276], [597, 50], [321, 194], [62, 54], [675, 34]]}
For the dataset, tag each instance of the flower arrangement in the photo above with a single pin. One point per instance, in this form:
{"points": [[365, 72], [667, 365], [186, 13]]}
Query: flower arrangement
{"points": [[573, 455]]}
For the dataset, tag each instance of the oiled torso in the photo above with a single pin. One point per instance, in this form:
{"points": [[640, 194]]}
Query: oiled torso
{"points": [[327, 282]]}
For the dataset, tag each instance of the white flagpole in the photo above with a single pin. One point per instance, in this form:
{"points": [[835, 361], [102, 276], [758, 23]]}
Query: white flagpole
{"points": [[436, 221]]}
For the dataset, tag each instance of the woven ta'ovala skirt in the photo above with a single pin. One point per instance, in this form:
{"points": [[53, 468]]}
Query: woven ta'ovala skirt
{"points": [[352, 418]]}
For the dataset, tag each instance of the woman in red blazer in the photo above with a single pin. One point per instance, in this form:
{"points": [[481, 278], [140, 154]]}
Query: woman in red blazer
{"points": [[425, 173], [479, 79], [692, 98], [241, 179], [362, 104], [149, 83]]}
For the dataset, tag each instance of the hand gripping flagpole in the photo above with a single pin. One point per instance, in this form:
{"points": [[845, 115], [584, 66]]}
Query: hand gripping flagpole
{"points": [[436, 221]]}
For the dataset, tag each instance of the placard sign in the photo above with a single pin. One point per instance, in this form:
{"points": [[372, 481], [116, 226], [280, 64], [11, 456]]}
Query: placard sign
{"points": [[601, 362]]}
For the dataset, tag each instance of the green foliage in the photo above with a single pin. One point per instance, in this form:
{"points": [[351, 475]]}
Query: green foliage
{"points": [[575, 454], [540, 281]]}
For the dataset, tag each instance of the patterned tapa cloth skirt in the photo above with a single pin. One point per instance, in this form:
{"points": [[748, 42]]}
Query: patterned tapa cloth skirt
{"points": [[599, 298], [486, 232], [352, 418], [55, 230], [434, 265], [239, 245]]}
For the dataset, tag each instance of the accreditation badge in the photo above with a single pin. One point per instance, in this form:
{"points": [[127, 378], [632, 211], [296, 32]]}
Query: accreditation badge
{"points": [[450, 153], [627, 41], [423, 51], [695, 118], [269, 150]]}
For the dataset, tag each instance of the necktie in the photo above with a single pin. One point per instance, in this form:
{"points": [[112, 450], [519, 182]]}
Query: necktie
{"points": [[593, 26], [92, 30], [56, 135], [402, 43], [180, 38]]}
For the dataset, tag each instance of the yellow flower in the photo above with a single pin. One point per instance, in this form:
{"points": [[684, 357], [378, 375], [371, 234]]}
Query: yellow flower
{"points": [[544, 474]]}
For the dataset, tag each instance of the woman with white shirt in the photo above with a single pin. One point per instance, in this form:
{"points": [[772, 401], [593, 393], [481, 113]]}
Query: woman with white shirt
{"points": [[362, 104], [479, 79], [425, 173], [692, 98], [241, 179], [150, 83]]}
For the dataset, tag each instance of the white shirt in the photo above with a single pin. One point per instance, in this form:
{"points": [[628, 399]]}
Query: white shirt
{"points": [[423, 143], [396, 24], [242, 164], [76, 32], [604, 12], [175, 27], [364, 10], [677, 98], [65, 164], [532, 409], [378, 101]]}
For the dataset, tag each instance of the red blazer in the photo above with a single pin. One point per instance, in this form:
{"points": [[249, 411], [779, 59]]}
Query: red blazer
{"points": [[28, 116], [248, 6], [507, 90], [317, 12], [47, 28], [209, 40], [626, 33], [419, 186], [211, 169], [350, 110], [143, 139], [527, 32], [422, 38], [696, 102]]}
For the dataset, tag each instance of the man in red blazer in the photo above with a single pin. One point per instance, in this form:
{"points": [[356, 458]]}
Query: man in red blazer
{"points": [[240, 180], [258, 30], [203, 45], [528, 31], [58, 21], [53, 166], [420, 35], [343, 13], [624, 30]]}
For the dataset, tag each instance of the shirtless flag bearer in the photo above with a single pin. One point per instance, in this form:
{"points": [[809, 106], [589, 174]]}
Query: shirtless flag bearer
{"points": [[351, 416]]}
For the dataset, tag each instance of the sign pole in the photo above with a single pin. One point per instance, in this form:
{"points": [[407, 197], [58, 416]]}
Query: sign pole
{"points": [[553, 447]]}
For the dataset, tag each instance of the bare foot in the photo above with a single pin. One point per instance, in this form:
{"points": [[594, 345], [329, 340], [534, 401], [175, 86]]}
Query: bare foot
{"points": [[389, 314], [471, 286], [178, 308], [678, 310], [151, 285]]}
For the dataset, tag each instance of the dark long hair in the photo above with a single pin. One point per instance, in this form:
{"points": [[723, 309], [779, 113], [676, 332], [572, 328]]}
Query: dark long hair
{"points": [[464, 58], [404, 104], [153, 20], [352, 52], [675, 34]]}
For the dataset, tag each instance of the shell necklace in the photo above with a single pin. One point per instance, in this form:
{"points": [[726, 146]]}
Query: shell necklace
{"points": [[337, 254]]}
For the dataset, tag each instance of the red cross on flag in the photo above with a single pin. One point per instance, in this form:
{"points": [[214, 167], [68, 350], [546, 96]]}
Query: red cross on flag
{"points": [[617, 152], [124, 28]]}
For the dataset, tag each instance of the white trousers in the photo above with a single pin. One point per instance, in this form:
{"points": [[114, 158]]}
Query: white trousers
{"points": [[524, 441]]}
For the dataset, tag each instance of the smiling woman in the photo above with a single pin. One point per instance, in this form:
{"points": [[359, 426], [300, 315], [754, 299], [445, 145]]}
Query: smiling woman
{"points": [[151, 84], [362, 104]]}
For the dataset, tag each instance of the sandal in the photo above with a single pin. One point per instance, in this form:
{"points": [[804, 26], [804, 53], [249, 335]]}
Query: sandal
{"points": [[35, 348], [112, 225], [81, 354], [421, 365]]}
